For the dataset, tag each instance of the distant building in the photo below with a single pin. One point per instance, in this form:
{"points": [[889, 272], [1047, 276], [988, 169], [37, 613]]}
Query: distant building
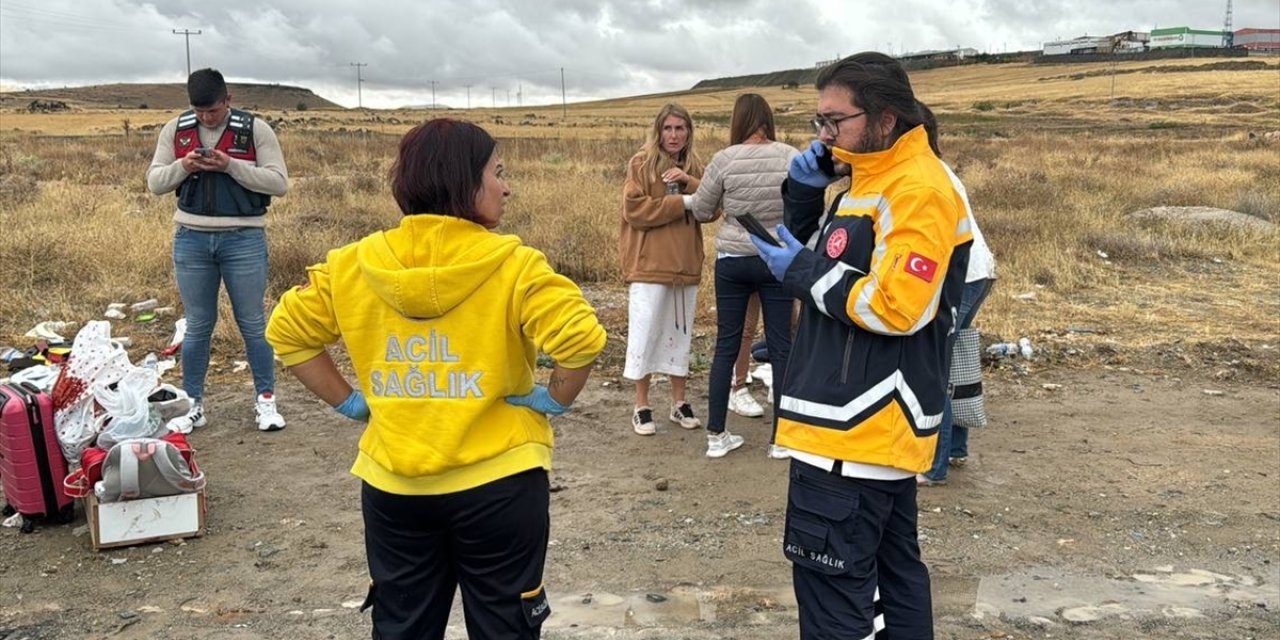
{"points": [[949, 54], [1076, 46], [1262, 40], [1186, 38], [1123, 42]]}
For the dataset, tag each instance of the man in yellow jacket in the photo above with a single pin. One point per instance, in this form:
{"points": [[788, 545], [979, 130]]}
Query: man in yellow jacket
{"points": [[443, 320], [860, 407]]}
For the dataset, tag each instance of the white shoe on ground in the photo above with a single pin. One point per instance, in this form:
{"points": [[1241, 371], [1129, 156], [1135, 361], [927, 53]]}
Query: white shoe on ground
{"points": [[742, 403], [682, 414], [642, 421], [194, 418], [719, 444], [779, 453], [269, 419]]}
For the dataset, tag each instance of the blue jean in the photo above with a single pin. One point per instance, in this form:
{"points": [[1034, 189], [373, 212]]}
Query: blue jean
{"points": [[953, 440], [736, 280], [202, 262]]}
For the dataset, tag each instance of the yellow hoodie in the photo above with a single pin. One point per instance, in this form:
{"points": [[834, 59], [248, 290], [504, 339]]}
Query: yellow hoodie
{"points": [[442, 319]]}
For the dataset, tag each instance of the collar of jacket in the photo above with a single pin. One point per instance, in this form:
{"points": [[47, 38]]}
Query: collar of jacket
{"points": [[908, 145]]}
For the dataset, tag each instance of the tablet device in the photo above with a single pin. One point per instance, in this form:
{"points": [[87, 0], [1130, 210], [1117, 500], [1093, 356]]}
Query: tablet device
{"points": [[753, 227]]}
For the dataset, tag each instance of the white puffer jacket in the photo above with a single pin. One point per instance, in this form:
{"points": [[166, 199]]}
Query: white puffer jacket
{"points": [[743, 178]]}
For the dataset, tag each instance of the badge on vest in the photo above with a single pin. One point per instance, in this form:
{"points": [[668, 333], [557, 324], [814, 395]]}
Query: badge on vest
{"points": [[837, 242]]}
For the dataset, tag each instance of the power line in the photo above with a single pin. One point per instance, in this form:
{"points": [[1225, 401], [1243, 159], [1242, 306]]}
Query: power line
{"points": [[186, 35], [359, 81]]}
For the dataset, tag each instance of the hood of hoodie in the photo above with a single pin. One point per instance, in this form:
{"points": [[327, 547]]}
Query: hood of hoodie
{"points": [[431, 263]]}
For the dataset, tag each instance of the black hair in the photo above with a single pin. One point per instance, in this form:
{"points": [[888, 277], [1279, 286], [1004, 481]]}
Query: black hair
{"points": [[880, 85], [441, 168], [205, 87]]}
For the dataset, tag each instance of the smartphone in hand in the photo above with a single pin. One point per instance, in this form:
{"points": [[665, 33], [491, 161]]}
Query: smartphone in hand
{"points": [[825, 163], [753, 227], [205, 152]]}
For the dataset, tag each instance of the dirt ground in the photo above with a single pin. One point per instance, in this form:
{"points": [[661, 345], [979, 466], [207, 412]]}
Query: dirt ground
{"points": [[1126, 503]]}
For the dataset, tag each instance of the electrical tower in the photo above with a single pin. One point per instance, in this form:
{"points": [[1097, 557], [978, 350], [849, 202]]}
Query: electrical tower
{"points": [[1228, 36]]}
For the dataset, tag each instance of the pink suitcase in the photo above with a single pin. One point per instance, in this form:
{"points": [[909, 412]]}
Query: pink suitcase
{"points": [[31, 464]]}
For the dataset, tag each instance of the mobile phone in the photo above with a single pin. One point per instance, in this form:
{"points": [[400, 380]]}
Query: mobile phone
{"points": [[753, 227], [205, 152], [825, 163]]}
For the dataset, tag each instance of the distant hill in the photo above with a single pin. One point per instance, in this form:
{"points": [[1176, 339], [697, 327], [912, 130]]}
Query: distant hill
{"points": [[168, 97]]}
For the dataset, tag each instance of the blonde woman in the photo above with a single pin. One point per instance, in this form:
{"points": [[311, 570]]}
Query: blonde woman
{"points": [[660, 245]]}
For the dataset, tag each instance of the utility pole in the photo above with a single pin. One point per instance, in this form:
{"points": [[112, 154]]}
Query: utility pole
{"points": [[494, 97], [508, 97], [520, 95], [433, 94], [359, 81], [186, 35], [468, 96], [564, 105]]}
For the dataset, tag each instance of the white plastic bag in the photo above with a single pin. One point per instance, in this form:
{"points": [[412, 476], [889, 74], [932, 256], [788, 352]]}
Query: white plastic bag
{"points": [[128, 407]]}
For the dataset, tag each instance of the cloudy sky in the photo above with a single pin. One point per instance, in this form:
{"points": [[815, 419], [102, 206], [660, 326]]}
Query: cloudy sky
{"points": [[511, 51]]}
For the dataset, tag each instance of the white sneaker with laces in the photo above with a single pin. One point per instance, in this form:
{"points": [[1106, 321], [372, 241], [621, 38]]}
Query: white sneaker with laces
{"points": [[742, 403], [719, 444], [268, 418], [194, 418], [682, 414], [642, 421], [779, 453]]}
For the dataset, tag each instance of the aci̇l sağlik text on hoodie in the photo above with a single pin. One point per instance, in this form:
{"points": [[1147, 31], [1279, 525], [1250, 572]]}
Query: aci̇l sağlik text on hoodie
{"points": [[442, 319]]}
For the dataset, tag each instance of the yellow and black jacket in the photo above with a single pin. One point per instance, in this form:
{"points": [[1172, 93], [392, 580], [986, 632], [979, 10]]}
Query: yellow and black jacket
{"points": [[868, 374]]}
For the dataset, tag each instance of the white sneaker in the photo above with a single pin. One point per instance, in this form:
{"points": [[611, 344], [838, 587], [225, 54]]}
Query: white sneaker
{"points": [[779, 453], [194, 418], [741, 403], [718, 444], [682, 414], [268, 418], [642, 421]]}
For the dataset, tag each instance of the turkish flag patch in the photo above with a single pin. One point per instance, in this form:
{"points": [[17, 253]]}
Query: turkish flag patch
{"points": [[921, 267]]}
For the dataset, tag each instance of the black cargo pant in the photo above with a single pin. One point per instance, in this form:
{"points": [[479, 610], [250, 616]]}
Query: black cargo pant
{"points": [[855, 558], [491, 541]]}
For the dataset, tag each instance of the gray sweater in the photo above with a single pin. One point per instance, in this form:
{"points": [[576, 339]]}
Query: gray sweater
{"points": [[268, 176], [743, 178]]}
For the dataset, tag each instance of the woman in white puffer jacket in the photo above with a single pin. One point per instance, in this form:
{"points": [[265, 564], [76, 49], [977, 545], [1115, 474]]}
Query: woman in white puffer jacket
{"points": [[745, 177]]}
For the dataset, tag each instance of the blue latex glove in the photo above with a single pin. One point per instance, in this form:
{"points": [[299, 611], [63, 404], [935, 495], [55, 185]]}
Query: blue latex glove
{"points": [[806, 169], [354, 407], [539, 400], [779, 258]]}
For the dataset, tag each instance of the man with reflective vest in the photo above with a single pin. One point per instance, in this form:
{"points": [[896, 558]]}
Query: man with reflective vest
{"points": [[225, 166], [860, 407]]}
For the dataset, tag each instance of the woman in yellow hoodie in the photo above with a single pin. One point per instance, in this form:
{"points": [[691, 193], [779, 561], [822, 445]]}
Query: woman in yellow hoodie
{"points": [[443, 320]]}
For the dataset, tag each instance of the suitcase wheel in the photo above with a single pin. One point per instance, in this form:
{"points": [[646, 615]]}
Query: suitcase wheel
{"points": [[28, 525]]}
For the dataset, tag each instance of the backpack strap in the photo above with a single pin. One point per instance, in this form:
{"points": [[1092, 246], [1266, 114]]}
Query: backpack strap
{"points": [[129, 467], [189, 480]]}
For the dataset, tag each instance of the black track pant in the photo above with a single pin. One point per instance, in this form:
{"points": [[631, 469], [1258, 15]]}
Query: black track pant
{"points": [[491, 541], [856, 562]]}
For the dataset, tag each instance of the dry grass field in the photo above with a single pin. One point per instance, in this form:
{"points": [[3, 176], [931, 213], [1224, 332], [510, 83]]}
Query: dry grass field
{"points": [[1052, 161], [1110, 499]]}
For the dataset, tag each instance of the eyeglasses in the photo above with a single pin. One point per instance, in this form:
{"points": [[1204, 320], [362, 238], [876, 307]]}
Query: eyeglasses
{"points": [[831, 126]]}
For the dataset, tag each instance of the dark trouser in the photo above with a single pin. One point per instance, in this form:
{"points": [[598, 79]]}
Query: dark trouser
{"points": [[846, 537], [490, 540], [736, 280]]}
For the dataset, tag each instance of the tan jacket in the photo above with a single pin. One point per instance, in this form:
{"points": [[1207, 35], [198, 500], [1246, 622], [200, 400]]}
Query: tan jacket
{"points": [[659, 242]]}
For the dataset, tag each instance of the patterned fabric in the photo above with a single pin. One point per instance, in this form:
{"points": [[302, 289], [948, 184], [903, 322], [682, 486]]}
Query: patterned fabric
{"points": [[966, 379]]}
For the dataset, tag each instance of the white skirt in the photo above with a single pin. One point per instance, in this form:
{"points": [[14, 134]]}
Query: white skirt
{"points": [[659, 329]]}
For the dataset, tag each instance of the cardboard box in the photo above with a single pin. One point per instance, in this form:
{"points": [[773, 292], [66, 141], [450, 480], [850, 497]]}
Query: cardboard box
{"points": [[130, 522]]}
